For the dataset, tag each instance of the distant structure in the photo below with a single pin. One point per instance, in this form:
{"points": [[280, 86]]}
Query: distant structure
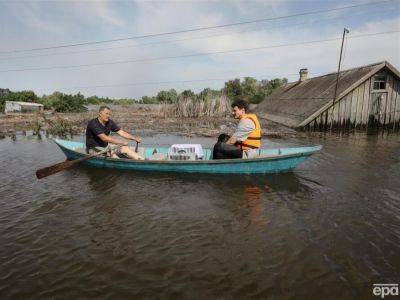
{"points": [[4, 92], [16, 106], [367, 96]]}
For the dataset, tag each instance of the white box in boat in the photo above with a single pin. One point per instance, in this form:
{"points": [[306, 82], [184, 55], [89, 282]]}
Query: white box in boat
{"points": [[185, 152]]}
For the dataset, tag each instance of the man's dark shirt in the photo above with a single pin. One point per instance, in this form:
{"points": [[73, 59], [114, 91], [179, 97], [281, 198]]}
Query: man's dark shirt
{"points": [[94, 128]]}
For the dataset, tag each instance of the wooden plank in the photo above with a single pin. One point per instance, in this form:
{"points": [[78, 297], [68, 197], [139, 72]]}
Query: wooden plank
{"points": [[317, 121], [389, 105], [340, 114], [326, 120], [382, 117], [320, 122], [353, 113], [331, 116], [397, 106], [353, 107], [360, 100], [367, 101], [340, 109], [336, 112], [346, 110], [312, 125]]}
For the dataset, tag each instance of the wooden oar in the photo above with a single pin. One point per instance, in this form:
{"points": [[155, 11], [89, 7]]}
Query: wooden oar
{"points": [[137, 145], [65, 165]]}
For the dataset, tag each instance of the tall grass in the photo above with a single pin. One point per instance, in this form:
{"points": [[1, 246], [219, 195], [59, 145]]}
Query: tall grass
{"points": [[193, 107], [164, 110]]}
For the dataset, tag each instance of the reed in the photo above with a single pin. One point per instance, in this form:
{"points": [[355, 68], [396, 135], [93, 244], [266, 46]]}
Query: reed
{"points": [[36, 128], [164, 110], [60, 127], [193, 107]]}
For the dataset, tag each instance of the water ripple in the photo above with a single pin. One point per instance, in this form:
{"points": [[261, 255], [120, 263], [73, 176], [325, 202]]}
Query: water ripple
{"points": [[329, 229]]}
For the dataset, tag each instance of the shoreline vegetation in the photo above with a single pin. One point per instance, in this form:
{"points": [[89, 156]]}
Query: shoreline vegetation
{"points": [[136, 118], [204, 114], [249, 89]]}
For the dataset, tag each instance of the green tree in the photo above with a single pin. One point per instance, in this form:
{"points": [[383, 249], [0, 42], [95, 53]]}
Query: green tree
{"points": [[148, 100], [269, 86], [69, 103], [126, 101], [170, 96], [250, 89], [23, 96], [208, 93], [95, 100], [233, 89], [188, 94]]}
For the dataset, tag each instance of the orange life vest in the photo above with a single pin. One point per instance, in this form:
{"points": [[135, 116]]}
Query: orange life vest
{"points": [[254, 139]]}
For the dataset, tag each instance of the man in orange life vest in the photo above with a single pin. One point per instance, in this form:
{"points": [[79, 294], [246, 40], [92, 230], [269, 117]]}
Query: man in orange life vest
{"points": [[246, 140]]}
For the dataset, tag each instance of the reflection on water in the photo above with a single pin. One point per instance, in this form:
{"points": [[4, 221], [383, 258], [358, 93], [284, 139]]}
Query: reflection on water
{"points": [[329, 229]]}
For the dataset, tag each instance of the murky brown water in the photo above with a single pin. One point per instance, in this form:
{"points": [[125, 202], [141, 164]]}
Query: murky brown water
{"points": [[328, 230]]}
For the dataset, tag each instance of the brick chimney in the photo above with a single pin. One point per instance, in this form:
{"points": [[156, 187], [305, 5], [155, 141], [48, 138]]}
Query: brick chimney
{"points": [[303, 74]]}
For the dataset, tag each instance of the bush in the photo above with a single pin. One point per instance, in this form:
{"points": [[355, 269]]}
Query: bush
{"points": [[251, 90], [124, 102], [69, 103], [94, 100], [170, 96]]}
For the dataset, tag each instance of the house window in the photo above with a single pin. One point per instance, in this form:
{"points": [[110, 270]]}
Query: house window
{"points": [[379, 82]]}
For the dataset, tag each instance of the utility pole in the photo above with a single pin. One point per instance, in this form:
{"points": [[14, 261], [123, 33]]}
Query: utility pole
{"points": [[345, 30]]}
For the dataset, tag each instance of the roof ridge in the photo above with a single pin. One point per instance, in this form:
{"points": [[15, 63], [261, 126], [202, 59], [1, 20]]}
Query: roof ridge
{"points": [[347, 70]]}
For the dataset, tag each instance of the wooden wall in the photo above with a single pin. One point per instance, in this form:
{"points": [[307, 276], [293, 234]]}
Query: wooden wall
{"points": [[355, 109]]}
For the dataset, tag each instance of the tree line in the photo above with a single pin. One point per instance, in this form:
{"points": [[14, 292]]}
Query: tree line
{"points": [[249, 89]]}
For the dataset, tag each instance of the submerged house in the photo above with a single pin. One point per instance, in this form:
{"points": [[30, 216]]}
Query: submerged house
{"points": [[16, 106], [367, 96]]}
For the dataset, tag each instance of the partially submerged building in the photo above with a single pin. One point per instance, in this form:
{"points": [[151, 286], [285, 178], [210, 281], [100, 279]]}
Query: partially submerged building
{"points": [[4, 92], [366, 96], [16, 106]]}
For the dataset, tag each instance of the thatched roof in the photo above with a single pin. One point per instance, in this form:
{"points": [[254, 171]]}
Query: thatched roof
{"points": [[297, 103]]}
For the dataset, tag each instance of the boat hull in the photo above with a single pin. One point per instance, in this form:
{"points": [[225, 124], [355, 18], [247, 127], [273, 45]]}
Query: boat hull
{"points": [[273, 164]]}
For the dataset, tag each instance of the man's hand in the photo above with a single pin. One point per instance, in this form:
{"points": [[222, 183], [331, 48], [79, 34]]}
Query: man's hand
{"points": [[112, 140], [137, 139], [129, 136]]}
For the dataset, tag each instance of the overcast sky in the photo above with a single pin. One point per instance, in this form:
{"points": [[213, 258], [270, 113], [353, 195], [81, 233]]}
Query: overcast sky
{"points": [[37, 24]]}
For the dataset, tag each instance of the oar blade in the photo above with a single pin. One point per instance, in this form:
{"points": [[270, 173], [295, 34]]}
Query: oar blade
{"points": [[53, 169], [65, 165]]}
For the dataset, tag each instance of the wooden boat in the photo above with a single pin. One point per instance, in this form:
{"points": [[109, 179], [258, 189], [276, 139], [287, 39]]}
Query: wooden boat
{"points": [[268, 160]]}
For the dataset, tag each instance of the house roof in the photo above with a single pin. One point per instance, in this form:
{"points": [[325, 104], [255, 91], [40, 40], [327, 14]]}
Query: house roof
{"points": [[25, 103], [298, 103]]}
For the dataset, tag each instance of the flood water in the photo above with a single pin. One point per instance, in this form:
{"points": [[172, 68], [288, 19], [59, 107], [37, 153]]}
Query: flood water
{"points": [[330, 229]]}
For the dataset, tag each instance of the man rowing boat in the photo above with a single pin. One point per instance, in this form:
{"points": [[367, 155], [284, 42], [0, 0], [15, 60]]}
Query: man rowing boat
{"points": [[246, 141], [98, 136]]}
